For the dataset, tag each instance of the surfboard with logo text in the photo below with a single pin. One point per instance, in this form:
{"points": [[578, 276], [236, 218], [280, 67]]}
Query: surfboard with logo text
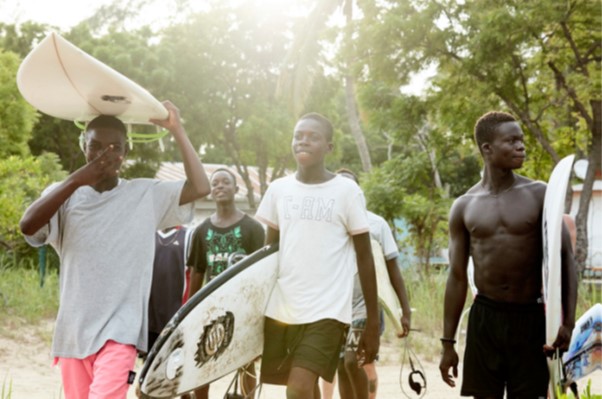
{"points": [[218, 330]]}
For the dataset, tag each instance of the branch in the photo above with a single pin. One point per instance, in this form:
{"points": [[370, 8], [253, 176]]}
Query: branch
{"points": [[567, 34], [573, 95], [523, 81]]}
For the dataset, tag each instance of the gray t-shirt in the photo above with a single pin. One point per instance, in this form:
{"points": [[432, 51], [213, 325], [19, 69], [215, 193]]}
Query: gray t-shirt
{"points": [[106, 245]]}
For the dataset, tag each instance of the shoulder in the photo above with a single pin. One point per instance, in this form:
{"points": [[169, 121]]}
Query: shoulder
{"points": [[536, 188], [343, 185], [204, 225], [376, 220], [251, 221]]}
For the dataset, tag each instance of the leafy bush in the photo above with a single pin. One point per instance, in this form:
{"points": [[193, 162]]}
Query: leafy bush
{"points": [[22, 179]]}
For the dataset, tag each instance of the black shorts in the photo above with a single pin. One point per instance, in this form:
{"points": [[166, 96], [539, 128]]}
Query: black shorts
{"points": [[314, 346], [504, 349]]}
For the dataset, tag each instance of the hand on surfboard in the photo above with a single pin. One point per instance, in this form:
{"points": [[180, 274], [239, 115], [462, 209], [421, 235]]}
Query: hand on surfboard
{"points": [[562, 342], [173, 122], [406, 324]]}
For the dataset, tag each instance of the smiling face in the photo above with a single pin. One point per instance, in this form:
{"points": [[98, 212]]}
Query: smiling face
{"points": [[223, 187], [311, 142], [507, 147]]}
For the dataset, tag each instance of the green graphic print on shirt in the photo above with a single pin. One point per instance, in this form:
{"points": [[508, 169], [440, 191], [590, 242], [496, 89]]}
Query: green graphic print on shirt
{"points": [[219, 248]]}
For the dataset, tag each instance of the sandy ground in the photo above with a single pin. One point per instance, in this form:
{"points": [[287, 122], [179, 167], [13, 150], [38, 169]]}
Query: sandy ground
{"points": [[25, 368]]}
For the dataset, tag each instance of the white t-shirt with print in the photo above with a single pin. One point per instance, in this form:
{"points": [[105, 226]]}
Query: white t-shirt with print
{"points": [[316, 257]]}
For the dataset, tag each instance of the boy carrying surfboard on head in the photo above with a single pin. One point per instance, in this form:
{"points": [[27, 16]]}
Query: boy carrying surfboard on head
{"points": [[498, 223], [103, 229], [320, 222], [228, 231]]}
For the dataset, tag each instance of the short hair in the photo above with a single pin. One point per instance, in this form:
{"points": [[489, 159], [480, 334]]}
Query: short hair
{"points": [[228, 171], [348, 172], [321, 119], [488, 123], [107, 122]]}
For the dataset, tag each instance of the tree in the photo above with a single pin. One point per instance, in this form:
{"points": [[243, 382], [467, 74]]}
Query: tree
{"points": [[21, 182], [226, 83], [16, 116], [539, 60], [300, 67]]}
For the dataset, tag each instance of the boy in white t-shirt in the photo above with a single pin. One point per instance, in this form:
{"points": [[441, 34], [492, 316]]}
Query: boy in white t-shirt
{"points": [[320, 222]]}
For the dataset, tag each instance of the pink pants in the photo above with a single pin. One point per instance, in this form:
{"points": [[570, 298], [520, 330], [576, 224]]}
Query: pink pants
{"points": [[103, 375]]}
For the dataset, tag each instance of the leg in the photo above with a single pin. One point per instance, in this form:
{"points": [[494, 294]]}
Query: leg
{"points": [[202, 392], [328, 388], [76, 375], [370, 370], [111, 370], [302, 384], [345, 387], [357, 376]]}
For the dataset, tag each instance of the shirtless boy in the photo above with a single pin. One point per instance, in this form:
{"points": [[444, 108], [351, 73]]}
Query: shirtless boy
{"points": [[498, 223]]}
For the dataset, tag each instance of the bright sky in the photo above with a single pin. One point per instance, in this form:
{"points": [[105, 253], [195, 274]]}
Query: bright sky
{"points": [[61, 13], [67, 13]]}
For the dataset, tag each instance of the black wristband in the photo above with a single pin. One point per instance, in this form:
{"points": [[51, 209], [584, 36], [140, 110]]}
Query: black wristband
{"points": [[450, 340]]}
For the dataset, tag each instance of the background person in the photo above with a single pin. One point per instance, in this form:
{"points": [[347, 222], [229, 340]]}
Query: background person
{"points": [[362, 382], [226, 232]]}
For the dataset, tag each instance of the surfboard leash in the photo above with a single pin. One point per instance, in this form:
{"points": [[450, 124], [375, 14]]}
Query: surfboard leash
{"points": [[416, 377], [133, 137]]}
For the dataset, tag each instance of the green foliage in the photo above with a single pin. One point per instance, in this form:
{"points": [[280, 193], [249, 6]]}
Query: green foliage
{"points": [[396, 189], [16, 116], [7, 391], [22, 300], [21, 182]]}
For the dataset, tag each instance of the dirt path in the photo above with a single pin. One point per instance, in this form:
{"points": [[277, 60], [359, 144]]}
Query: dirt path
{"points": [[26, 364]]}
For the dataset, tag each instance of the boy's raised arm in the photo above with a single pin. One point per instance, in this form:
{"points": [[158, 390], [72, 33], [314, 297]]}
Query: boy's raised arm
{"points": [[197, 183]]}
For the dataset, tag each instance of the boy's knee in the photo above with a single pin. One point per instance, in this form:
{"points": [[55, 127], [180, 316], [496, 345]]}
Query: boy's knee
{"points": [[296, 390]]}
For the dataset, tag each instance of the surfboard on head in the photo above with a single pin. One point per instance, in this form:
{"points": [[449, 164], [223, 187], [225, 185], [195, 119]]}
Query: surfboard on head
{"points": [[218, 330], [61, 80], [552, 244]]}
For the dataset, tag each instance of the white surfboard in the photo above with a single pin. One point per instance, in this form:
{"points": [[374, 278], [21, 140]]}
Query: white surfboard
{"points": [[60, 80], [218, 330], [386, 294], [585, 351], [552, 284]]}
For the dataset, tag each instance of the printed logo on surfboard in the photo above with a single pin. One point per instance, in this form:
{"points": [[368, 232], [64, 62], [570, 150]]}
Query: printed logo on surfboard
{"points": [[115, 99], [214, 340]]}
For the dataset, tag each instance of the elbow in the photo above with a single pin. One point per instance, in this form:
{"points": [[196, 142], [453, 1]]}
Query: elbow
{"points": [[203, 192], [197, 191], [26, 227]]}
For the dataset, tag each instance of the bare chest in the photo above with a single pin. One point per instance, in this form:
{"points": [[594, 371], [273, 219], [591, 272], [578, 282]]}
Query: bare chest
{"points": [[508, 214]]}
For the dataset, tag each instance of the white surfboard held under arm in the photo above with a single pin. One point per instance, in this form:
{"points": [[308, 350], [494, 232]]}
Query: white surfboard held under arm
{"points": [[387, 297], [61, 80], [552, 261]]}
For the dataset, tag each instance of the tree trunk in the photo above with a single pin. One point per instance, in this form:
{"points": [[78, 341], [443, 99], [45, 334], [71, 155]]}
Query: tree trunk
{"points": [[594, 167], [354, 124]]}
